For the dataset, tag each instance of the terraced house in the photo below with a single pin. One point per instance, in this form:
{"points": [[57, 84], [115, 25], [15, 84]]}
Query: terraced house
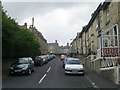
{"points": [[100, 41]]}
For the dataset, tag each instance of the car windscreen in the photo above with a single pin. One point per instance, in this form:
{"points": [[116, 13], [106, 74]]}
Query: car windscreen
{"points": [[43, 56], [73, 62], [37, 57], [22, 61]]}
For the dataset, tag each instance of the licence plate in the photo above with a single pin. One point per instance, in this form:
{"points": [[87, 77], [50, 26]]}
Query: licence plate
{"points": [[74, 70], [17, 70]]}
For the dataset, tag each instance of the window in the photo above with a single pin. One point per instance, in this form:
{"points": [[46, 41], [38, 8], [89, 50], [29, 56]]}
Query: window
{"points": [[110, 37], [115, 35], [105, 42]]}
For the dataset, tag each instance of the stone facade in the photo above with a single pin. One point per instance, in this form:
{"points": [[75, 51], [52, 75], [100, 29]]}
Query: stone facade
{"points": [[41, 39], [101, 38], [53, 48]]}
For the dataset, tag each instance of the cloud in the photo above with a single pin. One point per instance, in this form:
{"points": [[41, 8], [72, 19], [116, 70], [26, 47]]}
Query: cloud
{"points": [[53, 0], [56, 20]]}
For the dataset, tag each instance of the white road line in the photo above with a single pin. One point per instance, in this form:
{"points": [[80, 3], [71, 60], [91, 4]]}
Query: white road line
{"points": [[42, 78], [93, 84], [44, 75], [48, 69]]}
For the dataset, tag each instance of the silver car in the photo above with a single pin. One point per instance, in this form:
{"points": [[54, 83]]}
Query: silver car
{"points": [[74, 66]]}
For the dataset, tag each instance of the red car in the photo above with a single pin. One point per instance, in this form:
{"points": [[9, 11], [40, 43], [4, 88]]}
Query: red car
{"points": [[62, 57]]}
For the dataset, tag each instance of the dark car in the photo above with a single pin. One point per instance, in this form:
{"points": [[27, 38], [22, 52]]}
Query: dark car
{"points": [[38, 61], [22, 66], [45, 58], [50, 57]]}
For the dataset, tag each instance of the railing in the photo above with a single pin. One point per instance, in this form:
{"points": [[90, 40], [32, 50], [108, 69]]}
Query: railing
{"points": [[108, 52], [108, 62]]}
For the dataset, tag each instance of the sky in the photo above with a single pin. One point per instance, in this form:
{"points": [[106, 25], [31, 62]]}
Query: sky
{"points": [[56, 20]]}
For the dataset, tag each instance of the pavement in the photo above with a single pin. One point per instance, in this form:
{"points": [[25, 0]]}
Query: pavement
{"points": [[99, 81]]}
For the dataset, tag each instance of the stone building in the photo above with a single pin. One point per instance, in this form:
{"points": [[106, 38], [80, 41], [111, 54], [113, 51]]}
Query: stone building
{"points": [[41, 39], [65, 49], [100, 40], [54, 47], [74, 46]]}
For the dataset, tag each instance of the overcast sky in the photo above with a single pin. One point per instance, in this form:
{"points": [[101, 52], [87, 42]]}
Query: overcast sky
{"points": [[55, 20]]}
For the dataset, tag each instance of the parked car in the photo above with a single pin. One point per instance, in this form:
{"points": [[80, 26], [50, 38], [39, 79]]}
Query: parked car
{"points": [[51, 56], [62, 57], [74, 66], [22, 66], [65, 61], [45, 58], [38, 60]]}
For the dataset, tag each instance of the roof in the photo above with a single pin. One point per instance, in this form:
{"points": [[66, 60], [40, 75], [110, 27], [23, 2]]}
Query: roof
{"points": [[102, 6]]}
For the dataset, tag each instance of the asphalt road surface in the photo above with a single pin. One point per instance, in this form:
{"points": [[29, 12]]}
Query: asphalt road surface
{"points": [[50, 75]]}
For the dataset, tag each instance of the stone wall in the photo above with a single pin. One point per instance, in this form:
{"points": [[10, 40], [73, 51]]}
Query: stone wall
{"points": [[109, 74]]}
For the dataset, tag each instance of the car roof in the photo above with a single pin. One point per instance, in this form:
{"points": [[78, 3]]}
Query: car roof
{"points": [[69, 58], [25, 58], [42, 56]]}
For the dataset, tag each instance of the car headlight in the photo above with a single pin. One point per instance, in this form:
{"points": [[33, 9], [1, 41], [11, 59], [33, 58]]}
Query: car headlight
{"points": [[68, 68], [43, 59], [24, 68], [81, 69]]}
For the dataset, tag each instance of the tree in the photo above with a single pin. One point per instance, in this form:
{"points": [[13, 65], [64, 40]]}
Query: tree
{"points": [[17, 41]]}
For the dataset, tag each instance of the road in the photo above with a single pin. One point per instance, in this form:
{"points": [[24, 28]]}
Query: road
{"points": [[50, 75]]}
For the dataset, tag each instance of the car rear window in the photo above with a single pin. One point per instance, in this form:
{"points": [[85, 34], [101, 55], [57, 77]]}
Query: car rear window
{"points": [[73, 62]]}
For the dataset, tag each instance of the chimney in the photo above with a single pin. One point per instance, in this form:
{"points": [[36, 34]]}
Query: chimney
{"points": [[78, 34], [67, 44], [32, 22], [55, 41], [25, 25]]}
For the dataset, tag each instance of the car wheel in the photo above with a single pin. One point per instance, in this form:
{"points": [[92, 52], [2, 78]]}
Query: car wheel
{"points": [[65, 73], [33, 69], [83, 74], [63, 66], [40, 64], [29, 71], [11, 74]]}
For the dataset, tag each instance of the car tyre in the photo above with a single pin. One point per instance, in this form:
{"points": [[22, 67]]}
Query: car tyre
{"points": [[10, 74], [83, 74], [41, 64], [63, 66], [33, 69], [29, 71], [66, 74]]}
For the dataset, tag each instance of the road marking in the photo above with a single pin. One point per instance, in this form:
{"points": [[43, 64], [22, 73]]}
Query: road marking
{"points": [[48, 69], [42, 78], [93, 84], [44, 75]]}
